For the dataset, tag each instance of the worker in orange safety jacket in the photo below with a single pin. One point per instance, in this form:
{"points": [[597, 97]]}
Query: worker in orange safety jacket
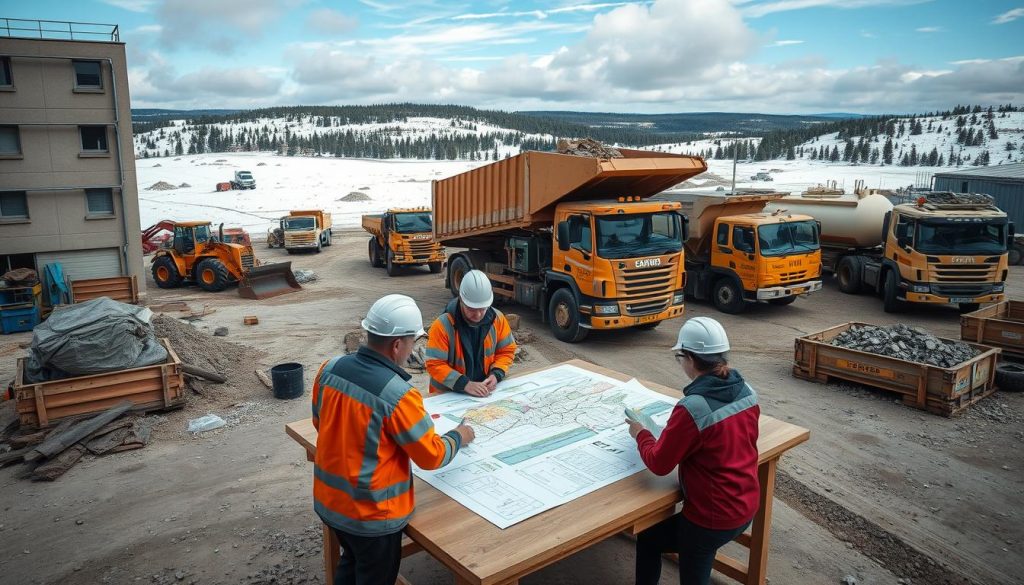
{"points": [[470, 347], [371, 422]]}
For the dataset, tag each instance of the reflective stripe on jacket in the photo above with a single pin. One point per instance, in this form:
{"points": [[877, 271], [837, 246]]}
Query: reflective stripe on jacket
{"points": [[371, 422], [445, 361]]}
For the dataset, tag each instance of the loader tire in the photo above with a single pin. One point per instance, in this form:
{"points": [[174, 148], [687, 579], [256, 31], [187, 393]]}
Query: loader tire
{"points": [[211, 275], [165, 273], [1010, 377]]}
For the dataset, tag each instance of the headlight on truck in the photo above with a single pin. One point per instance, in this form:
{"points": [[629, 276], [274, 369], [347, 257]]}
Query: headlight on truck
{"points": [[677, 299], [606, 309], [921, 288], [997, 288]]}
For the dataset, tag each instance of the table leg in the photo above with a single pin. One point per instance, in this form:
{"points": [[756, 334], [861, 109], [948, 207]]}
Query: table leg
{"points": [[332, 554], [760, 533]]}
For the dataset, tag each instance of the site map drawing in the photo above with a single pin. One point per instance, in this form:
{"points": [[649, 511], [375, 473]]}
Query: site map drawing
{"points": [[542, 440]]}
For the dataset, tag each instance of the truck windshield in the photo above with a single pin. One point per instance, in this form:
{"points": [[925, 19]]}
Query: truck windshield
{"points": [[300, 223], [960, 238], [246, 175], [646, 234], [412, 223], [796, 237]]}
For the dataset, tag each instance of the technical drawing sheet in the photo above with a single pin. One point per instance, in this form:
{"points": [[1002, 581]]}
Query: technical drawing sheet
{"points": [[542, 440]]}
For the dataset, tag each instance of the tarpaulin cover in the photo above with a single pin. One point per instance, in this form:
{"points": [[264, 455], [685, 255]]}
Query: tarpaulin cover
{"points": [[97, 336]]}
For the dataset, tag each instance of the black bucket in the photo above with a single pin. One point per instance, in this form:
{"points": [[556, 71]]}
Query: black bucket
{"points": [[287, 379]]}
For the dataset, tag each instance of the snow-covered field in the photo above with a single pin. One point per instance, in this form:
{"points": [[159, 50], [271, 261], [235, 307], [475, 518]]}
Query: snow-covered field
{"points": [[285, 183]]}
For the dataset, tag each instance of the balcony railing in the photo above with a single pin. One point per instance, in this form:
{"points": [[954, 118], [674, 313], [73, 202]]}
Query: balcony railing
{"points": [[58, 29]]}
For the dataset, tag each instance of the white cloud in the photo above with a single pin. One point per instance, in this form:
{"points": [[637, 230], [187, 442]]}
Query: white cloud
{"points": [[329, 21], [756, 9], [544, 13], [786, 43], [132, 5], [1009, 16], [220, 25], [929, 29], [160, 84]]}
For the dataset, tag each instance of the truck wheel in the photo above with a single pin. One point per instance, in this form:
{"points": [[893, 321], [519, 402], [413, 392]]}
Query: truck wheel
{"points": [[783, 301], [727, 296], [1014, 255], [371, 251], [392, 268], [1010, 377], [890, 302], [456, 270], [969, 307], [211, 275], [319, 246], [564, 317], [434, 267], [850, 273], [165, 273], [330, 237]]}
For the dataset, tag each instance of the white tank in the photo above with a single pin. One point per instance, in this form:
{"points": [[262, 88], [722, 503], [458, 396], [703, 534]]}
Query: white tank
{"points": [[853, 220]]}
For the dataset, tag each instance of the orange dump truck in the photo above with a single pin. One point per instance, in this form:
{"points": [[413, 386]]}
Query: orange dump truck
{"points": [[572, 236], [402, 237]]}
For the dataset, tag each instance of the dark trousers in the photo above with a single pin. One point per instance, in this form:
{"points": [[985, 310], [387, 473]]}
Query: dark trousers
{"points": [[368, 560], [695, 545]]}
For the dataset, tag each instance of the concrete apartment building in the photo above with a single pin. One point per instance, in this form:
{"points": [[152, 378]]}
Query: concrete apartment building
{"points": [[68, 191]]}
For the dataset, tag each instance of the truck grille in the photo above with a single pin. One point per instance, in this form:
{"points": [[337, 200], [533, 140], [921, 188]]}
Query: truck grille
{"points": [[647, 290], [422, 249], [299, 239], [961, 290], [798, 276], [247, 261], [963, 280]]}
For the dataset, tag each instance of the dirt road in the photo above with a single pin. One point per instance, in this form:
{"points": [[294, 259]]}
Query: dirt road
{"points": [[881, 492]]}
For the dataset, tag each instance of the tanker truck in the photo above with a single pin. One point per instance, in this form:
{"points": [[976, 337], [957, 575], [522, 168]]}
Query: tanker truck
{"points": [[571, 236], [944, 248], [738, 254]]}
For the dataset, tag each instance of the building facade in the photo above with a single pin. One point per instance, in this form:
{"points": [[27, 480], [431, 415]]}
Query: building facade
{"points": [[1005, 183], [68, 189]]}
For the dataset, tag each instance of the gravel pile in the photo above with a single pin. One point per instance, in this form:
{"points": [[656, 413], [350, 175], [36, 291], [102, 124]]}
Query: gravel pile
{"points": [[355, 196], [905, 343], [161, 186], [587, 147], [948, 198]]}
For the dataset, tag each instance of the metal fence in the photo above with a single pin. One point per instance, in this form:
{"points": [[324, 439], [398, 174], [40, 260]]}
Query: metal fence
{"points": [[58, 29]]}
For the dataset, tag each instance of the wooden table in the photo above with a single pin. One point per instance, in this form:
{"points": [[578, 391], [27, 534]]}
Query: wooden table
{"points": [[479, 553]]}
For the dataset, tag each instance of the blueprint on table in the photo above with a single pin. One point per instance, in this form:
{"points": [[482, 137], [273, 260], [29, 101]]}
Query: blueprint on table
{"points": [[542, 440]]}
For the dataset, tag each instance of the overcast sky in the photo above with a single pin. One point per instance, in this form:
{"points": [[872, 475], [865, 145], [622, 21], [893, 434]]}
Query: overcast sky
{"points": [[770, 56]]}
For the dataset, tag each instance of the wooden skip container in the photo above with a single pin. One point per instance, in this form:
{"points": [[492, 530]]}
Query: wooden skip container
{"points": [[152, 387], [944, 391], [1000, 325]]}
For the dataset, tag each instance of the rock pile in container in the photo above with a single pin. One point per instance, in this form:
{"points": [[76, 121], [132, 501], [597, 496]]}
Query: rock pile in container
{"points": [[905, 343], [586, 147]]}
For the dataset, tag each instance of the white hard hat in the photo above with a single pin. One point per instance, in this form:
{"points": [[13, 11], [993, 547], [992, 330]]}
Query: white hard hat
{"points": [[394, 316], [702, 336], [475, 290]]}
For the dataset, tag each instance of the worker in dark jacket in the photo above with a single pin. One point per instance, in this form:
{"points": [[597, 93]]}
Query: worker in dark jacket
{"points": [[371, 424], [711, 436], [470, 347]]}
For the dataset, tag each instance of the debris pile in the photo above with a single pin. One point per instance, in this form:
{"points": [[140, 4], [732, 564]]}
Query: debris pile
{"points": [[355, 196], [905, 343], [184, 186], [304, 276], [586, 147], [161, 186], [948, 198]]}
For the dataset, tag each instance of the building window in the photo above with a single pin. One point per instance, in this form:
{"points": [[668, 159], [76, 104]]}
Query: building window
{"points": [[87, 75], [10, 142], [5, 72], [13, 205], [94, 138], [99, 201]]}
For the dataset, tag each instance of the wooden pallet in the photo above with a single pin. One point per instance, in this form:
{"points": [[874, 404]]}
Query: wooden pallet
{"points": [[944, 391], [119, 288], [154, 387], [1000, 325]]}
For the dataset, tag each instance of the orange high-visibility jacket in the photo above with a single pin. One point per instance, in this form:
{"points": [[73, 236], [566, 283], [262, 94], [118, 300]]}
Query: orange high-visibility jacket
{"points": [[371, 422], [445, 361]]}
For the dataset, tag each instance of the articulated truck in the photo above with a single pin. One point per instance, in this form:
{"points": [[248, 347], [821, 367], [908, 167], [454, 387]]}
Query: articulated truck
{"points": [[571, 236], [403, 237], [944, 248], [738, 254]]}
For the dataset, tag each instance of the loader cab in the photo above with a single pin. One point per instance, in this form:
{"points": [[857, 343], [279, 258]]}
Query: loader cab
{"points": [[186, 236]]}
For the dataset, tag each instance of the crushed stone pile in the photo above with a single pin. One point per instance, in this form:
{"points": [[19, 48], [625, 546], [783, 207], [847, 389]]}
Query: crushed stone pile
{"points": [[304, 276], [905, 343], [587, 147], [948, 198], [184, 186], [161, 186], [355, 196]]}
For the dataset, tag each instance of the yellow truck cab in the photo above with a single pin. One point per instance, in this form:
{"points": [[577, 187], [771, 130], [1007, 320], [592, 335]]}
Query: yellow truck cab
{"points": [[942, 248], [738, 254], [403, 237], [572, 236], [306, 229]]}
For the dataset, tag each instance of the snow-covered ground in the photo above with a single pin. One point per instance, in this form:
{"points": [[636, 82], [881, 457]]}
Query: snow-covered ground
{"points": [[285, 183]]}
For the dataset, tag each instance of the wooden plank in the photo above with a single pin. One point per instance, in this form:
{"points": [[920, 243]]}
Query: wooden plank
{"points": [[760, 530], [58, 465], [13, 456], [54, 445], [729, 567]]}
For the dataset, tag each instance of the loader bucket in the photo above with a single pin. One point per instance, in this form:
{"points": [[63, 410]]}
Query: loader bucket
{"points": [[269, 280]]}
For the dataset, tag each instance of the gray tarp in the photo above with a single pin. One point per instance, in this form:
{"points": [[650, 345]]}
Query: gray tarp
{"points": [[101, 335]]}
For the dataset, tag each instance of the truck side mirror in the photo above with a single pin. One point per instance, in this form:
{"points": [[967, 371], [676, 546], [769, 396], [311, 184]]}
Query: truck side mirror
{"points": [[563, 236], [686, 226]]}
